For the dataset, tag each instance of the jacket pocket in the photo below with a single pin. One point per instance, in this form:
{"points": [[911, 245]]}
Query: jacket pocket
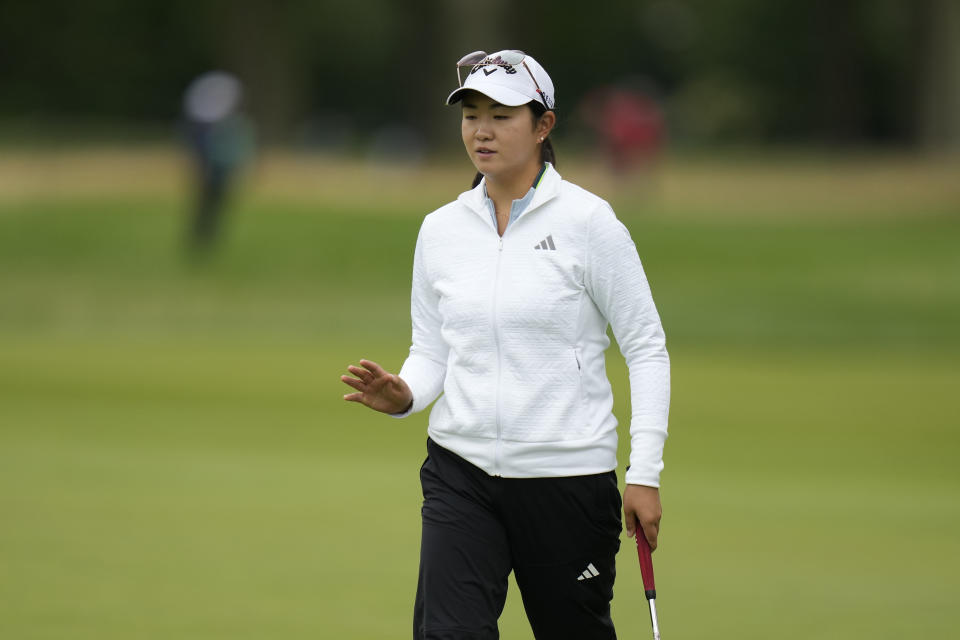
{"points": [[582, 396]]}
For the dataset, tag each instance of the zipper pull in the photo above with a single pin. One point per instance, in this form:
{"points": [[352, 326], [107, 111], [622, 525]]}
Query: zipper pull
{"points": [[501, 244]]}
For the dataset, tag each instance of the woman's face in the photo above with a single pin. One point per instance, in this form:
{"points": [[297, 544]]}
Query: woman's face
{"points": [[499, 139]]}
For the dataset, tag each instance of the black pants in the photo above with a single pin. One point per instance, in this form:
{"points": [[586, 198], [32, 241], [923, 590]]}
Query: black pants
{"points": [[558, 535]]}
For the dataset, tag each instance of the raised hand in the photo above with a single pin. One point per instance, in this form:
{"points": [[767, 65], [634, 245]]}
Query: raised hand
{"points": [[377, 388]]}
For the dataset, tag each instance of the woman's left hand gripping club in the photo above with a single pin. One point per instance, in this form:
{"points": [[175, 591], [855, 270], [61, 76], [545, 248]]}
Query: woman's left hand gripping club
{"points": [[642, 512]]}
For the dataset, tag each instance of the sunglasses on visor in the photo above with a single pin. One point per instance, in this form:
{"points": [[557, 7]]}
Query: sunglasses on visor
{"points": [[509, 58]]}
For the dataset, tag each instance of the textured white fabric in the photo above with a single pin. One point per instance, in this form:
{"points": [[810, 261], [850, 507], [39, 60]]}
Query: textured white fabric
{"points": [[513, 333]]}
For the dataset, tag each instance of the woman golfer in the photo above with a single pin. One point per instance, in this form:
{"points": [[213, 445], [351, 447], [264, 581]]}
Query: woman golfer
{"points": [[514, 284]]}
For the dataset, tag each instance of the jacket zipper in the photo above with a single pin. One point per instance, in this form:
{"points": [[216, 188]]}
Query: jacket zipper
{"points": [[496, 341]]}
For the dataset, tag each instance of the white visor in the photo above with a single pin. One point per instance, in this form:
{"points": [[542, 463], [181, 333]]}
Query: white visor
{"points": [[510, 85]]}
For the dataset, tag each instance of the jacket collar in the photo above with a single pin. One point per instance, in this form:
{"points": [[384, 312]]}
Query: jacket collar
{"points": [[547, 189]]}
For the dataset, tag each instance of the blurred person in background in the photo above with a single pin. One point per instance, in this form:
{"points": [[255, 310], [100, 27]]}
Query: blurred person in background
{"points": [[220, 139], [514, 284], [629, 123]]}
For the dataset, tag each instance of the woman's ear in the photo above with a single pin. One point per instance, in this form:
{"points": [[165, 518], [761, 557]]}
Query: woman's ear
{"points": [[545, 124]]}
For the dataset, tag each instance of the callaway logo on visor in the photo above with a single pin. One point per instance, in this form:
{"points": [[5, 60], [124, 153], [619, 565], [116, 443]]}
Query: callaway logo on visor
{"points": [[512, 62]]}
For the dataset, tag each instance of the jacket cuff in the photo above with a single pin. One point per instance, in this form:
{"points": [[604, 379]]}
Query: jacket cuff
{"points": [[403, 414], [646, 456], [638, 476], [425, 379]]}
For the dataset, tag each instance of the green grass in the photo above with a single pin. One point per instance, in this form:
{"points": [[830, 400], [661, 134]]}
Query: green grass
{"points": [[176, 462]]}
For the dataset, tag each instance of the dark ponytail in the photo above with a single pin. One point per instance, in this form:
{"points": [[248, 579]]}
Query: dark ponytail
{"points": [[547, 153]]}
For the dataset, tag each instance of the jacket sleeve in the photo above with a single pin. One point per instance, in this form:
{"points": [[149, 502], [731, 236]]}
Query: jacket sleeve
{"points": [[425, 368], [618, 286]]}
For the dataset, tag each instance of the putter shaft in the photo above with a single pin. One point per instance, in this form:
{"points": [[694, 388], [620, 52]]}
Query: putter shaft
{"points": [[653, 619]]}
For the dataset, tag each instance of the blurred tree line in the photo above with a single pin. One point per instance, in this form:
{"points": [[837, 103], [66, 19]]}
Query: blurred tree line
{"points": [[754, 71]]}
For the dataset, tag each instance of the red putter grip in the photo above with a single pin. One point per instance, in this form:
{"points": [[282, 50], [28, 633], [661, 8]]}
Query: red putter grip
{"points": [[646, 564]]}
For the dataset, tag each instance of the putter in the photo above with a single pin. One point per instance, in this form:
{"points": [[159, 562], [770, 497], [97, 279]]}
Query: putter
{"points": [[646, 570]]}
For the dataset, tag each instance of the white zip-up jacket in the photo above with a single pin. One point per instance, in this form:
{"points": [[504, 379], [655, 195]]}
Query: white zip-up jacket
{"points": [[513, 330]]}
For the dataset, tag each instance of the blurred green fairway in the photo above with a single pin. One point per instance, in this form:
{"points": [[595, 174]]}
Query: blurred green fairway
{"points": [[176, 460]]}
